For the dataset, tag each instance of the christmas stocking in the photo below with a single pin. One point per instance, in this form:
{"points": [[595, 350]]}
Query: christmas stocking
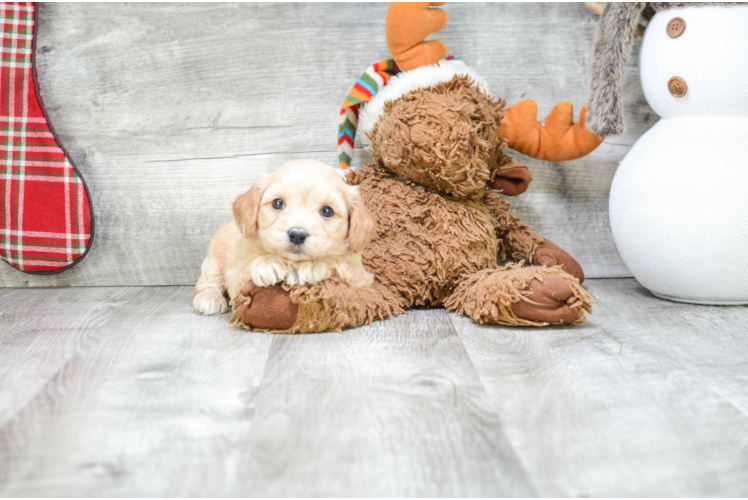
{"points": [[46, 221]]}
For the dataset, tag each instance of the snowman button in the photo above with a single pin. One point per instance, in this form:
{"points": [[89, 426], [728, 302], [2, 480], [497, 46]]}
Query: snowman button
{"points": [[677, 86], [675, 27]]}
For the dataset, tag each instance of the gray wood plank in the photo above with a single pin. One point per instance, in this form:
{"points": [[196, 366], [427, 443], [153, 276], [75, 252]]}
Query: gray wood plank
{"points": [[170, 110], [40, 330], [126, 392], [155, 407], [168, 403], [395, 409], [649, 398]]}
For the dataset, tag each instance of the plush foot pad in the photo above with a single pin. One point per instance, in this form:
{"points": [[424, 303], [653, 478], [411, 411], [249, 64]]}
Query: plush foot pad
{"points": [[549, 254], [264, 308], [521, 296], [551, 301]]}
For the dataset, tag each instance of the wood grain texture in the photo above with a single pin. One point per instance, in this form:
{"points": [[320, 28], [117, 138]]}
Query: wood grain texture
{"points": [[154, 407], [648, 398], [41, 330], [395, 409], [168, 403], [171, 110]]}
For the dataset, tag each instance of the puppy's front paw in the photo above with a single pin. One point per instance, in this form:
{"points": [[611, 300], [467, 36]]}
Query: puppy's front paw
{"points": [[266, 272], [309, 273], [210, 301]]}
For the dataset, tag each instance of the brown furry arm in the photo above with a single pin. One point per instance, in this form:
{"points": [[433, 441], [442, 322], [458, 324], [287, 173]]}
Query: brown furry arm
{"points": [[520, 243], [330, 305], [516, 240]]}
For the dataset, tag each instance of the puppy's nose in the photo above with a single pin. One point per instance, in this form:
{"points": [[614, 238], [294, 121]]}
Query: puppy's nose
{"points": [[297, 235]]}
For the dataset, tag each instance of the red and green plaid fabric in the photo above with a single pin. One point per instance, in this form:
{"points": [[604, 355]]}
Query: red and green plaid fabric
{"points": [[45, 215]]}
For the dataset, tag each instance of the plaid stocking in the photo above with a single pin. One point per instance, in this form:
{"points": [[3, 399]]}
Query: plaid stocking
{"points": [[46, 221]]}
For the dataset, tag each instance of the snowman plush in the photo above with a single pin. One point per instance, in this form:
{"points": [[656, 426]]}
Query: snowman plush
{"points": [[679, 201]]}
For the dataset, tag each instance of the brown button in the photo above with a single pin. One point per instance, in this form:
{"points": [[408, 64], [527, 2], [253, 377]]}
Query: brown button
{"points": [[677, 86], [675, 27]]}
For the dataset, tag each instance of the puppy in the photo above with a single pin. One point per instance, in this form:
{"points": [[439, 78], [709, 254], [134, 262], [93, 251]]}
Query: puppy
{"points": [[299, 225]]}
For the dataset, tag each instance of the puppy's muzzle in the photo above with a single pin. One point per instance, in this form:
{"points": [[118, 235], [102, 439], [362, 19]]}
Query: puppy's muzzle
{"points": [[297, 235]]}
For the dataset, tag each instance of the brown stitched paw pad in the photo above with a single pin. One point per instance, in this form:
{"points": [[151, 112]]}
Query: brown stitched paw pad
{"points": [[271, 308], [549, 254], [548, 302]]}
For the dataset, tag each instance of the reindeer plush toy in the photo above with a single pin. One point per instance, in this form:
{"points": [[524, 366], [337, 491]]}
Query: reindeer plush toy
{"points": [[435, 189]]}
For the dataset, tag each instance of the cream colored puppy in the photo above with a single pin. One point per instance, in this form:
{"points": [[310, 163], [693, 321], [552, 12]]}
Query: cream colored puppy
{"points": [[299, 225]]}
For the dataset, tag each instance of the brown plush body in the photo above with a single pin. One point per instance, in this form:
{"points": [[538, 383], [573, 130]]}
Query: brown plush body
{"points": [[445, 236]]}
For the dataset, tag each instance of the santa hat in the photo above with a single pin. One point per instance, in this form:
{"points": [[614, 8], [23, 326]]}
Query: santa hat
{"points": [[615, 35], [416, 63], [382, 82]]}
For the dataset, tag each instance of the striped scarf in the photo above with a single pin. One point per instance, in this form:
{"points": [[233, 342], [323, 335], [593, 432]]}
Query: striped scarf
{"points": [[373, 79]]}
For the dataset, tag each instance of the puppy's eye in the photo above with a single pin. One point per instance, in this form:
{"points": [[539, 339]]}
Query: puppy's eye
{"points": [[278, 204], [326, 212]]}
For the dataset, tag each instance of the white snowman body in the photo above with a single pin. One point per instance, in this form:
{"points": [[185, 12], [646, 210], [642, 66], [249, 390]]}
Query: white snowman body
{"points": [[679, 200]]}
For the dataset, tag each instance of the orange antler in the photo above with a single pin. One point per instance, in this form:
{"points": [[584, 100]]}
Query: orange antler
{"points": [[556, 138], [407, 25]]}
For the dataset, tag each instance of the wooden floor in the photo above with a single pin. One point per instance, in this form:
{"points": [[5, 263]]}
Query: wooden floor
{"points": [[124, 391]]}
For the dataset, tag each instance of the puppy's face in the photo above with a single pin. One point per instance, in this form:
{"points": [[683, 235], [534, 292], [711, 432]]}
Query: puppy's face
{"points": [[301, 218], [304, 211]]}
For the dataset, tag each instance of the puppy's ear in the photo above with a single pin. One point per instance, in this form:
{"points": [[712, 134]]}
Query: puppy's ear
{"points": [[361, 223], [246, 207]]}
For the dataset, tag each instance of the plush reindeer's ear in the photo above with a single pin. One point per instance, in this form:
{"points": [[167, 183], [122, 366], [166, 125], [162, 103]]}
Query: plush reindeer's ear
{"points": [[361, 223], [246, 207], [512, 179]]}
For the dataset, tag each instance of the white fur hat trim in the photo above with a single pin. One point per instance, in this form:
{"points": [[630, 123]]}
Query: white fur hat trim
{"points": [[404, 82]]}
